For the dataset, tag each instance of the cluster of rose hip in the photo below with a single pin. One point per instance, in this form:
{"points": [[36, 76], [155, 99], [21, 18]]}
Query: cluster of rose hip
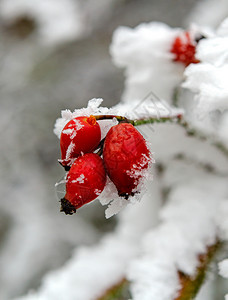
{"points": [[122, 155]]}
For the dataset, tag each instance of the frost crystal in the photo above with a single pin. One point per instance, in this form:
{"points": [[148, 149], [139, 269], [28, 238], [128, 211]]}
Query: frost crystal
{"points": [[80, 179], [110, 197], [70, 149], [93, 108], [68, 131]]}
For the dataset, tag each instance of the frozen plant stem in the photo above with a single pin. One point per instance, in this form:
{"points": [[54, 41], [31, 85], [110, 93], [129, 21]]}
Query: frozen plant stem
{"points": [[190, 286], [178, 119], [116, 292]]}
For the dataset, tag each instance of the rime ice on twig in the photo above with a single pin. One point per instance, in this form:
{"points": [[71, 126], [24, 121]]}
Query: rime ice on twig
{"points": [[134, 110]]}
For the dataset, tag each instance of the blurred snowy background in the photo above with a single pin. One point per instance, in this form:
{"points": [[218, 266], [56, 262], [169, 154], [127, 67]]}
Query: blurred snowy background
{"points": [[55, 55]]}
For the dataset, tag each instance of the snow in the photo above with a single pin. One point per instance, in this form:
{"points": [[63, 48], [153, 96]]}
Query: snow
{"points": [[70, 149], [148, 107], [185, 209], [110, 196], [223, 268], [207, 82], [68, 131], [149, 67], [207, 291], [157, 108], [92, 270], [144, 53], [93, 108], [78, 126], [39, 228], [80, 179], [189, 193], [222, 219], [179, 238], [83, 277]]}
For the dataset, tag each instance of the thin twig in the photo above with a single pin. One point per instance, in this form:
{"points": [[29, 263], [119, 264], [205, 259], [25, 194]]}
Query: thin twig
{"points": [[137, 122], [190, 286], [117, 292], [178, 119]]}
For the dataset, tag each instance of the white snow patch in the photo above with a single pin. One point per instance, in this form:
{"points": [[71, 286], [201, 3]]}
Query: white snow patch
{"points": [[144, 52], [110, 196], [97, 192], [223, 268], [208, 85], [148, 107], [70, 149], [222, 219], [137, 109], [80, 179], [78, 124], [68, 131], [93, 108], [188, 226], [93, 270]]}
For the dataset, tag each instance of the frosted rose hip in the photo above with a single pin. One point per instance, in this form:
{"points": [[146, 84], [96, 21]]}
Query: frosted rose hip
{"points": [[184, 49], [85, 181], [80, 135], [126, 156]]}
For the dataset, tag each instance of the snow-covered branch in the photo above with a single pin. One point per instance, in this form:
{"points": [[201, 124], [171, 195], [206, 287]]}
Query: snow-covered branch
{"points": [[190, 286]]}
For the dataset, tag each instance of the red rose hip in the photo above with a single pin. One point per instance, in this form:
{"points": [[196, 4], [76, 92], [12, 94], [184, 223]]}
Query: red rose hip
{"points": [[85, 182], [184, 49], [80, 135], [126, 157]]}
